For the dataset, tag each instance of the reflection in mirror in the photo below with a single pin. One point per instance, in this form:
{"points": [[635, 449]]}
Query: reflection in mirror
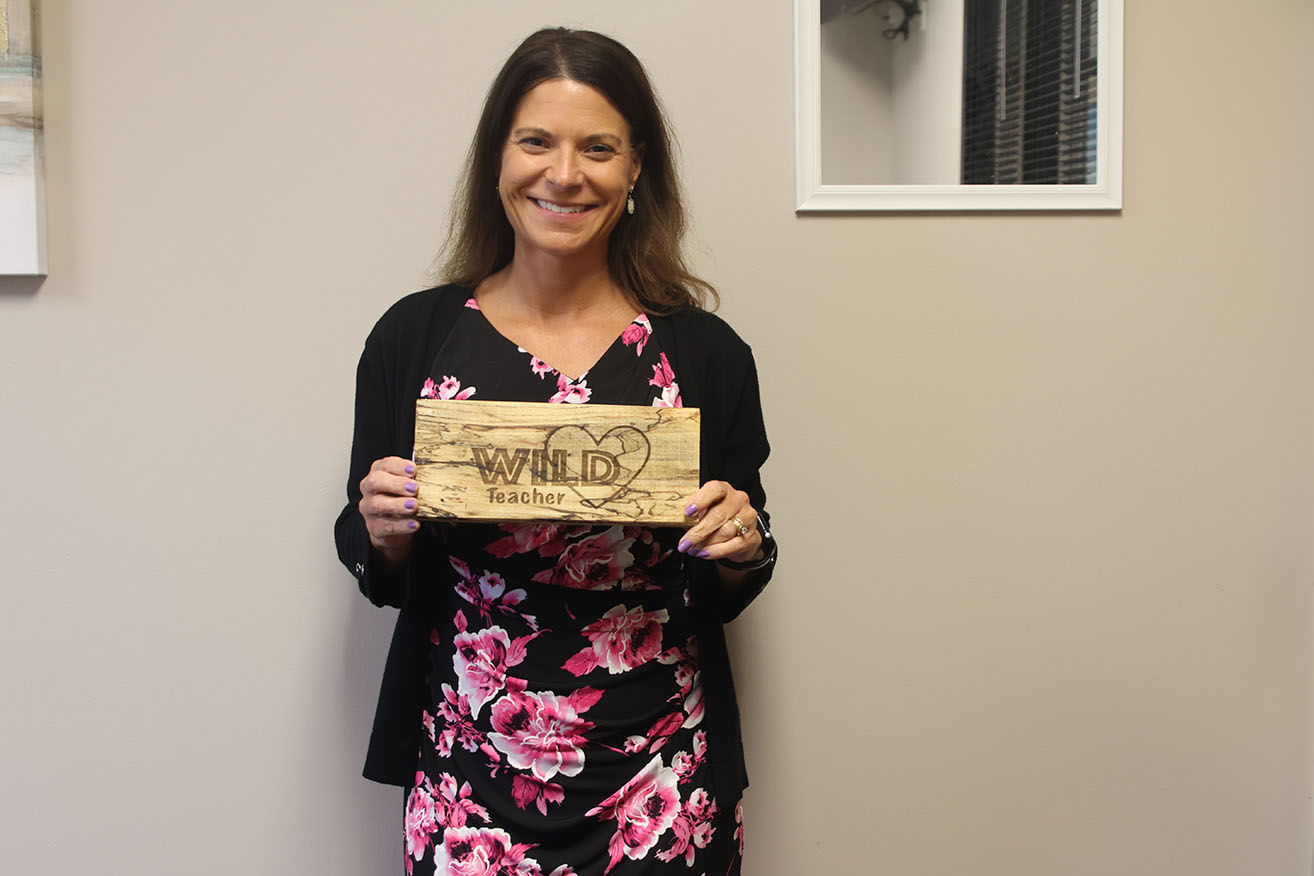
{"points": [[1030, 76], [948, 97], [890, 103], [971, 91]]}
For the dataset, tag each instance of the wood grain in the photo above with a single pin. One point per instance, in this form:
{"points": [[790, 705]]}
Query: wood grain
{"points": [[519, 461]]}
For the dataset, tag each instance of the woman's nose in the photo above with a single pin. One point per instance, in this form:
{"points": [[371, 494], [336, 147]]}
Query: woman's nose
{"points": [[565, 169]]}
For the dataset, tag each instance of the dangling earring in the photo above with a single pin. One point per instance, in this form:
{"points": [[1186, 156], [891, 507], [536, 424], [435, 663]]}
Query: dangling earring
{"points": [[629, 203]]}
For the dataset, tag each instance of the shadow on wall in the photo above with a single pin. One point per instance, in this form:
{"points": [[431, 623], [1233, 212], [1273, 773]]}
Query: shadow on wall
{"points": [[364, 649], [373, 810], [20, 287]]}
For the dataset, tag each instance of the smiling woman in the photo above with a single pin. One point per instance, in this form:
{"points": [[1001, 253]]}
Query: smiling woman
{"points": [[558, 698]]}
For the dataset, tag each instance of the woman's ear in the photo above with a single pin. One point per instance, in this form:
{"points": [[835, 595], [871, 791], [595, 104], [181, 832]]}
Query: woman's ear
{"points": [[637, 151]]}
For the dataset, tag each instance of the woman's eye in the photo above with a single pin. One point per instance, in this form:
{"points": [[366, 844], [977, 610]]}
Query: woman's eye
{"points": [[600, 151], [532, 144]]}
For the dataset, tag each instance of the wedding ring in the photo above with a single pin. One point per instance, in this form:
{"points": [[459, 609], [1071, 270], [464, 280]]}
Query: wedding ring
{"points": [[739, 525]]}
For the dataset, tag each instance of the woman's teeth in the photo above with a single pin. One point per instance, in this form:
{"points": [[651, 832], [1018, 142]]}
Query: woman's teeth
{"points": [[556, 208]]}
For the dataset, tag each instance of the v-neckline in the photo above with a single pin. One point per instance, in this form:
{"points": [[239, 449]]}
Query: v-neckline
{"points": [[583, 374]]}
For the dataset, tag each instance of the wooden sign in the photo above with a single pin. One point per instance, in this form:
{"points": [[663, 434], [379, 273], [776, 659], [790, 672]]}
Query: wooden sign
{"points": [[498, 462]]}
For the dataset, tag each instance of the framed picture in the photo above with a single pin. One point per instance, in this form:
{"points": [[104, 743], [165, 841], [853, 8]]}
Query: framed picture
{"points": [[22, 174]]}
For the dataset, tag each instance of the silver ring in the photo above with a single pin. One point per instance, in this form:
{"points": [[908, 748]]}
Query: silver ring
{"points": [[739, 525]]}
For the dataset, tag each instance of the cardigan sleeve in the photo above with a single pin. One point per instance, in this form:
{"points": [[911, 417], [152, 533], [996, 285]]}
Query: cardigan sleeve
{"points": [[734, 439], [392, 366], [718, 369], [373, 438]]}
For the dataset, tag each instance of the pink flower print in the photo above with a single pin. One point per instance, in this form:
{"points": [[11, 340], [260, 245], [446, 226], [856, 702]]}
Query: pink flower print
{"points": [[637, 332], [637, 579], [643, 810], [700, 745], [430, 389], [685, 660], [663, 374], [427, 721], [461, 567], [556, 546], [688, 677], [739, 826], [701, 809], [622, 640], [542, 732], [571, 392], [421, 819], [539, 367], [523, 538], [450, 388], [661, 730], [686, 764], [659, 554], [458, 726], [596, 562], [663, 377], [692, 828], [528, 789], [482, 851], [471, 303], [670, 397], [664, 729], [454, 804], [564, 870], [693, 702], [481, 662], [488, 593]]}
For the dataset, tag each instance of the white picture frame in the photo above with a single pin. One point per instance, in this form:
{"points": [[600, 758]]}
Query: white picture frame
{"points": [[22, 166], [812, 195]]}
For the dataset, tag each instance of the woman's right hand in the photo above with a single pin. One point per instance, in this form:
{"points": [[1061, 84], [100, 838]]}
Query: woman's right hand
{"points": [[388, 505]]}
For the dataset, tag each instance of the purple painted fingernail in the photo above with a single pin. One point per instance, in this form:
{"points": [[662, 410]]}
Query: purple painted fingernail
{"points": [[684, 545], [410, 469], [704, 553], [412, 486], [410, 503], [690, 509], [411, 524]]}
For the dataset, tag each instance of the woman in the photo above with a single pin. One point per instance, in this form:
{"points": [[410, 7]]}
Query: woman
{"points": [[557, 699]]}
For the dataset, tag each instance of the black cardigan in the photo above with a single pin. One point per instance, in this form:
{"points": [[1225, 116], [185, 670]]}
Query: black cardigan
{"points": [[717, 375]]}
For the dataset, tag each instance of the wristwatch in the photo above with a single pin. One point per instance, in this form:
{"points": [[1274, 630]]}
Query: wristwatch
{"points": [[768, 552]]}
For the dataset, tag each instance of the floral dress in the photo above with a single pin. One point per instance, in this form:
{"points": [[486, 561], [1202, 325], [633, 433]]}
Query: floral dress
{"points": [[562, 735]]}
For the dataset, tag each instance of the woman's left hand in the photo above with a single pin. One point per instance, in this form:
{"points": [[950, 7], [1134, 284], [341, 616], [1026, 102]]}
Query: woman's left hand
{"points": [[724, 524]]}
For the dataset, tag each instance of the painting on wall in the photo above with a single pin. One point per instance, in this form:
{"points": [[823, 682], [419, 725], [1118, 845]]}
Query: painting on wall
{"points": [[22, 175]]}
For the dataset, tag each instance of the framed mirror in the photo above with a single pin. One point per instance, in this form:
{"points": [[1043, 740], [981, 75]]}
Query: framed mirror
{"points": [[958, 105]]}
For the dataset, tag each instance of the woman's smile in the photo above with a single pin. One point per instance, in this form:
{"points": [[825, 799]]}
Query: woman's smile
{"points": [[561, 209]]}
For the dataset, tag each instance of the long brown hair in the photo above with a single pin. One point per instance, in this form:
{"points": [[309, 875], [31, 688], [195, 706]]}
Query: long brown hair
{"points": [[645, 253]]}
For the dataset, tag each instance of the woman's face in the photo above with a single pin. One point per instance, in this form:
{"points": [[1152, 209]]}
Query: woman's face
{"points": [[567, 168]]}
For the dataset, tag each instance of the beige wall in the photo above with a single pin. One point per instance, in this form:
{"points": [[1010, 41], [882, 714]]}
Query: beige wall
{"points": [[1044, 483]]}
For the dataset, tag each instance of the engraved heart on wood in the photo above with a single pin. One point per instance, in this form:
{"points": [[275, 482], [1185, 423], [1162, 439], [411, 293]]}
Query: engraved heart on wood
{"points": [[596, 469]]}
